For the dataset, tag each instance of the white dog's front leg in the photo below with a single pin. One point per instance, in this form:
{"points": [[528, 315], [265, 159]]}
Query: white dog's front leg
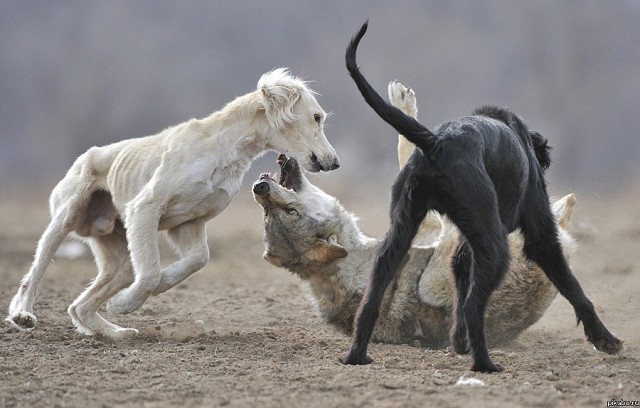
{"points": [[142, 234], [190, 242]]}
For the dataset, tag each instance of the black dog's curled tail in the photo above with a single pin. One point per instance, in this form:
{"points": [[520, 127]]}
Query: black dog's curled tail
{"points": [[415, 132]]}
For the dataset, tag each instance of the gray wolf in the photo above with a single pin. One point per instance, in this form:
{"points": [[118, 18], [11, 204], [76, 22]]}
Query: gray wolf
{"points": [[311, 234], [485, 172], [117, 197]]}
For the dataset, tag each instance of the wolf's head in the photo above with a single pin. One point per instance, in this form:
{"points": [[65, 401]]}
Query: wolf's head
{"points": [[301, 222]]}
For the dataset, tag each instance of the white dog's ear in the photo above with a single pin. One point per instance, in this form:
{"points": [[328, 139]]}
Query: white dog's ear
{"points": [[280, 91], [326, 250]]}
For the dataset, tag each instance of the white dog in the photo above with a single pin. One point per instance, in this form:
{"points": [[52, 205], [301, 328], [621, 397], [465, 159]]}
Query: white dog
{"points": [[117, 197]]}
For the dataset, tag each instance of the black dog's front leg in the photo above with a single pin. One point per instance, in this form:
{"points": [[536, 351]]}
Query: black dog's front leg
{"points": [[407, 212], [388, 260]]}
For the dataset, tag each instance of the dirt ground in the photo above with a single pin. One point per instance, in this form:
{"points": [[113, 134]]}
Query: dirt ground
{"points": [[241, 333]]}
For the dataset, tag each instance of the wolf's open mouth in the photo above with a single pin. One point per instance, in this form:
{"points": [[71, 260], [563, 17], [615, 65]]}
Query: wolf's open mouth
{"points": [[290, 176]]}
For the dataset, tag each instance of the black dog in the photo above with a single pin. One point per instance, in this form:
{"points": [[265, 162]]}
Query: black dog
{"points": [[485, 172]]}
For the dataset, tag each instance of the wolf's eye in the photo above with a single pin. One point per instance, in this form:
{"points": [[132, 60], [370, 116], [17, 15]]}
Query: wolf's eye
{"points": [[291, 211], [317, 117]]}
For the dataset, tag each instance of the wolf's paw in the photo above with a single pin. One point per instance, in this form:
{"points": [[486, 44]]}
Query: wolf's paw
{"points": [[403, 98], [22, 320]]}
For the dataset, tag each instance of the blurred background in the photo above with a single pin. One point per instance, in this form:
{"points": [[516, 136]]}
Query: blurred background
{"points": [[78, 74]]}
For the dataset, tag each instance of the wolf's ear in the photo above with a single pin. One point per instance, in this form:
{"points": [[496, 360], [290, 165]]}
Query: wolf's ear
{"points": [[272, 259], [326, 250], [280, 93]]}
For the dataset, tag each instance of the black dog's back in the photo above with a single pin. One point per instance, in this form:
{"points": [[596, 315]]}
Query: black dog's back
{"points": [[540, 145]]}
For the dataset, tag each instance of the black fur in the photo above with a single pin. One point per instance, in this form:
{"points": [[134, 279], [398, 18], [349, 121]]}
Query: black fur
{"points": [[485, 172]]}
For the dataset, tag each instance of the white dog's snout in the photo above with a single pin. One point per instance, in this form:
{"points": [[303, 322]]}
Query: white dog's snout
{"points": [[326, 162]]}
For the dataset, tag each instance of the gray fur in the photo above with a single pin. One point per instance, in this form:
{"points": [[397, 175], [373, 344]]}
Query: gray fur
{"points": [[323, 245]]}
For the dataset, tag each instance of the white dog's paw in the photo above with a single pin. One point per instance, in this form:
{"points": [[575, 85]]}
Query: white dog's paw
{"points": [[403, 98], [120, 333], [22, 320], [126, 301], [82, 329]]}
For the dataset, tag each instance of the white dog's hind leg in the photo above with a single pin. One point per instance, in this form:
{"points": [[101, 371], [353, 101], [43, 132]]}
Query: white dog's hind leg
{"points": [[142, 234], [114, 274], [190, 242], [21, 307]]}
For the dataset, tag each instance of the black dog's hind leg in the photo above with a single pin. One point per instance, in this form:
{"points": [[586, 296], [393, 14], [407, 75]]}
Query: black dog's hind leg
{"points": [[543, 247], [408, 209], [462, 264], [473, 207]]}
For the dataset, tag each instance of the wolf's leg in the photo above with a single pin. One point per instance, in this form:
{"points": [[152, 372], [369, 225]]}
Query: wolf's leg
{"points": [[404, 99], [190, 242], [562, 210], [114, 273]]}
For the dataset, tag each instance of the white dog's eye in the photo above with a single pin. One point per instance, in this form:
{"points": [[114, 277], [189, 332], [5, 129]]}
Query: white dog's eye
{"points": [[291, 211], [317, 117]]}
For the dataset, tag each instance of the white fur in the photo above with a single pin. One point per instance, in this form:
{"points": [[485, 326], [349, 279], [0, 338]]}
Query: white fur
{"points": [[174, 181], [432, 227]]}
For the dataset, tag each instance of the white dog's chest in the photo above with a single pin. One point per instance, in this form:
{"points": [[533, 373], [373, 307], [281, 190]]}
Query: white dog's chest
{"points": [[202, 200], [199, 206]]}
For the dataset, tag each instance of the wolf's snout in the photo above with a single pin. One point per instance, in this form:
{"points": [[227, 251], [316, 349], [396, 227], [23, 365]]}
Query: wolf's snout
{"points": [[261, 189]]}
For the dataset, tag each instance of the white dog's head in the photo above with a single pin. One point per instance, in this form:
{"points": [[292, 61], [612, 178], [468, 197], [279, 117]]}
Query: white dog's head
{"points": [[296, 121]]}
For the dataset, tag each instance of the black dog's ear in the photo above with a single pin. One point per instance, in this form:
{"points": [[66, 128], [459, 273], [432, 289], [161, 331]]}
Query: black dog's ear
{"points": [[542, 149]]}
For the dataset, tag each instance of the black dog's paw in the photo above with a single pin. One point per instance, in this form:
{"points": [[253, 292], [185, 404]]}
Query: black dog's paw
{"points": [[352, 358], [487, 367], [610, 345]]}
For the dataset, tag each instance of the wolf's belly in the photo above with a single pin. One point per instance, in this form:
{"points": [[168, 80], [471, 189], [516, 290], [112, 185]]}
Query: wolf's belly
{"points": [[204, 208]]}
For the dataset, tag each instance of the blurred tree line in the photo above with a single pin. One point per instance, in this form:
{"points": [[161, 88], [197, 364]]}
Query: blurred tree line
{"points": [[78, 74]]}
